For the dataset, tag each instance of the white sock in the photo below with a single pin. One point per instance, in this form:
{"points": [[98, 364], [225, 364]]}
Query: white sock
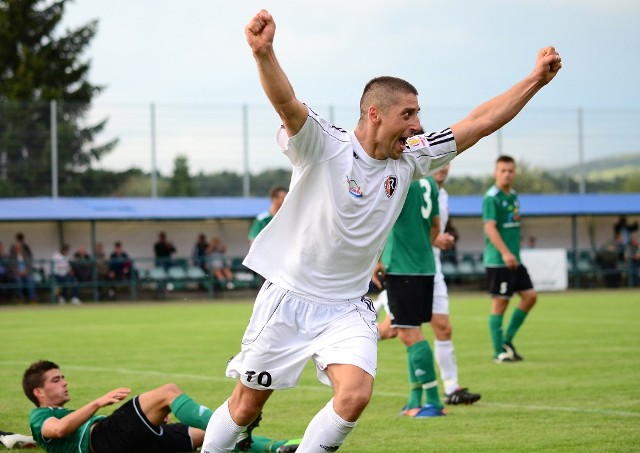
{"points": [[326, 432], [445, 356], [222, 432], [381, 302]]}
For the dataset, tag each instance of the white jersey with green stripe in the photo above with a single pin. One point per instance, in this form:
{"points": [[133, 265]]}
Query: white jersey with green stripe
{"points": [[342, 203]]}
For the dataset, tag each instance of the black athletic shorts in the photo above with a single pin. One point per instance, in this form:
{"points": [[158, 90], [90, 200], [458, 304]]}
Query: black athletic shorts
{"points": [[503, 282], [410, 299], [128, 430]]}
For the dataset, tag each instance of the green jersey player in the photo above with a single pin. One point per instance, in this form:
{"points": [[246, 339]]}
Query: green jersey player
{"points": [[409, 267], [505, 273]]}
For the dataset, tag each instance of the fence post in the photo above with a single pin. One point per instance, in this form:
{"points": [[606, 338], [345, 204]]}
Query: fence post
{"points": [[54, 148], [246, 189], [583, 176], [154, 173]]}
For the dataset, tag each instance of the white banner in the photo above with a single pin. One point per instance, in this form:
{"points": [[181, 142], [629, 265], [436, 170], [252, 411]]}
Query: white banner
{"points": [[547, 268]]}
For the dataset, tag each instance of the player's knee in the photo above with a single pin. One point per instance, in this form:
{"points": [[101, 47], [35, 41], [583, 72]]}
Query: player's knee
{"points": [[445, 333], [349, 405], [389, 332], [529, 300], [171, 390], [244, 413]]}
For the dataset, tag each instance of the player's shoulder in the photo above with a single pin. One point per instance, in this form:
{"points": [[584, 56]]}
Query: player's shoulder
{"points": [[338, 133], [492, 192], [263, 216]]}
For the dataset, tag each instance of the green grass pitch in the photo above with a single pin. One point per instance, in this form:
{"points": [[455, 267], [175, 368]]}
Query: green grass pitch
{"points": [[577, 390]]}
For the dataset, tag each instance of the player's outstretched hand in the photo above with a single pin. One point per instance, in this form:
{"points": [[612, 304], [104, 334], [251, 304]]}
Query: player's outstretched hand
{"points": [[260, 31], [548, 64], [114, 396]]}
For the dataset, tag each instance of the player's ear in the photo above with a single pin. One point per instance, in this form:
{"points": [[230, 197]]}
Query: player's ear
{"points": [[374, 114], [37, 392]]}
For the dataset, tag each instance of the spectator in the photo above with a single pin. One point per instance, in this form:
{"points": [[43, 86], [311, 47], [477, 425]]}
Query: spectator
{"points": [[119, 267], [25, 248], [276, 195], [63, 273], [199, 252], [20, 269], [163, 250], [217, 262], [624, 229], [82, 264], [634, 260], [607, 258], [532, 242], [4, 272]]}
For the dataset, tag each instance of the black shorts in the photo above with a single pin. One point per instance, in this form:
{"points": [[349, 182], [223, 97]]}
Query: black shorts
{"points": [[128, 430], [503, 282], [410, 299]]}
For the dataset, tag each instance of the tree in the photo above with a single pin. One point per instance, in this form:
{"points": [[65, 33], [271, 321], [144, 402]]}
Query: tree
{"points": [[37, 65], [180, 184]]}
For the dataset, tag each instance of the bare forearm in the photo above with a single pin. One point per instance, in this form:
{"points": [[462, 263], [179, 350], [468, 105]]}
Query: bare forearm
{"points": [[57, 428], [275, 83], [494, 236], [495, 113], [260, 33]]}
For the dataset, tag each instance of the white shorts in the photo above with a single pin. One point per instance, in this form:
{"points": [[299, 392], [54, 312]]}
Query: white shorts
{"points": [[287, 329], [440, 296]]}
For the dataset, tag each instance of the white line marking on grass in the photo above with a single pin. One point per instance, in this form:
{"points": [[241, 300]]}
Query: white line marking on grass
{"points": [[531, 407], [565, 409], [200, 377]]}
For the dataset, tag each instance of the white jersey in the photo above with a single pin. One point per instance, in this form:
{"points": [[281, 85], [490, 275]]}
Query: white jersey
{"points": [[333, 224]]}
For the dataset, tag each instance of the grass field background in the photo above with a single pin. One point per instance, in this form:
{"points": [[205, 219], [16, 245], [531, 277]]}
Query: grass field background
{"points": [[577, 390]]}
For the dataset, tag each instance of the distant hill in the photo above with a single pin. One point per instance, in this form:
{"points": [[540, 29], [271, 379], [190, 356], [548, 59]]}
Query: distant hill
{"points": [[604, 169]]}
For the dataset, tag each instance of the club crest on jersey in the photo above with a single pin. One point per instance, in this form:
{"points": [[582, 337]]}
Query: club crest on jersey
{"points": [[354, 188], [390, 184], [417, 140]]}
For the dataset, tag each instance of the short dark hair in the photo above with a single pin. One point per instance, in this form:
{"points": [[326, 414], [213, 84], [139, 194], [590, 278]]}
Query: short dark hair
{"points": [[382, 91], [33, 378], [275, 190], [506, 159]]}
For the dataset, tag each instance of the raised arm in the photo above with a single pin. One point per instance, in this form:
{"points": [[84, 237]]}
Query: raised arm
{"points": [[495, 113], [260, 32], [55, 428]]}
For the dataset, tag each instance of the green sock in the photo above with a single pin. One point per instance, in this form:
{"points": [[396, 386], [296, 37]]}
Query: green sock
{"points": [[517, 318], [191, 413], [495, 329], [415, 389], [424, 372], [264, 444]]}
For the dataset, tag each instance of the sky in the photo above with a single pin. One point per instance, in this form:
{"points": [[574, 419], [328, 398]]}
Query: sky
{"points": [[191, 61]]}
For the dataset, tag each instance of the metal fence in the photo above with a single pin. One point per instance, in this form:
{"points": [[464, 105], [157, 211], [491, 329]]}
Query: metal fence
{"points": [[241, 138]]}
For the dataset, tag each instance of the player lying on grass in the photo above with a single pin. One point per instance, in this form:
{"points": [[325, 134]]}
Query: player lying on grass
{"points": [[139, 425]]}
